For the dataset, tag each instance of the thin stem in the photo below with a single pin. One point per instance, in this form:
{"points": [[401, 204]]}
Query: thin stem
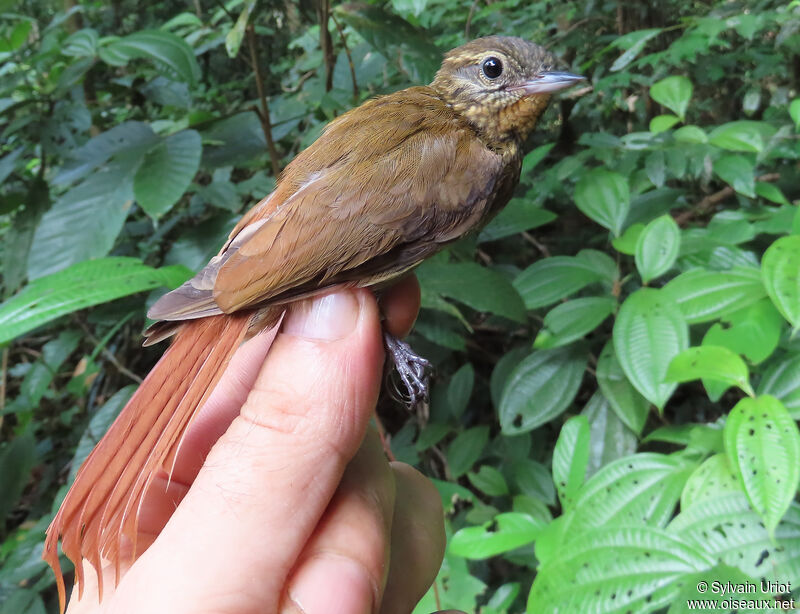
{"points": [[262, 96], [325, 43], [349, 57]]}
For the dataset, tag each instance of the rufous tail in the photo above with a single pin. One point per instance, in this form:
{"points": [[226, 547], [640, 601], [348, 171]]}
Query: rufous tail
{"points": [[101, 508]]}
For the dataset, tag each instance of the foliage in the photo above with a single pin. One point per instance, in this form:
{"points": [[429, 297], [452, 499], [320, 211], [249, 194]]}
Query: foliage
{"points": [[613, 418]]}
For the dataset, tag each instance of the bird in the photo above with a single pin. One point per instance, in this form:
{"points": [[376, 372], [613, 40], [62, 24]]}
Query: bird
{"points": [[385, 186]]}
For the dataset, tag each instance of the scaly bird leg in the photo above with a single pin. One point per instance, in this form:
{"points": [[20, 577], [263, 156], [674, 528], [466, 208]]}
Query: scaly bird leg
{"points": [[412, 368]]}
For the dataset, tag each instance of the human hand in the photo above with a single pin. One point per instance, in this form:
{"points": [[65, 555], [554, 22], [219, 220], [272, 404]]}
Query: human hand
{"points": [[294, 509]]}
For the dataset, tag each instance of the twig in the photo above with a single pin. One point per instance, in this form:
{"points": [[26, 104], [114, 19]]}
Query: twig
{"points": [[705, 205], [349, 57], [533, 241], [469, 19], [303, 78], [325, 43], [264, 115], [107, 353]]}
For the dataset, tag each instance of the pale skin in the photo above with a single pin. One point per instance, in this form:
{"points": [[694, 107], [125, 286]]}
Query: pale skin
{"points": [[282, 500]]}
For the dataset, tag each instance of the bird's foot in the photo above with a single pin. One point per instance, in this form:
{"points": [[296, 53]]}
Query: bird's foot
{"points": [[411, 368]]}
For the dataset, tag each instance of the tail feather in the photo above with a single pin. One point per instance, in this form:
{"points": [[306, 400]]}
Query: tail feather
{"points": [[101, 509]]}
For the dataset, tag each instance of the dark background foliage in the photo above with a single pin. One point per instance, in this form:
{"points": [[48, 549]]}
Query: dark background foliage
{"points": [[613, 416]]}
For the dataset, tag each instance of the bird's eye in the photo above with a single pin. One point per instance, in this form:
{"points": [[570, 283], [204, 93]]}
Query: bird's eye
{"points": [[492, 68]]}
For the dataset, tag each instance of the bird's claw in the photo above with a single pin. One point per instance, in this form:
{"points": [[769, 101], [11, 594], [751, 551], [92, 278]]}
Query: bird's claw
{"points": [[411, 367]]}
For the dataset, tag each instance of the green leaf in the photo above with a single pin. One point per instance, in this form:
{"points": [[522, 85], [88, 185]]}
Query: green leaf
{"points": [[633, 43], [570, 459], [642, 489], [674, 93], [714, 478], [626, 244], [460, 389], [506, 532], [763, 446], [782, 380], [744, 135], [604, 196], [704, 295], [771, 192], [611, 439], [17, 458], [81, 285], [166, 172], [234, 38], [518, 216], [549, 280], [738, 171], [780, 270], [649, 332], [465, 449], [480, 288], [657, 247], [540, 388], [81, 44], [630, 406], [690, 134], [711, 362], [489, 481], [532, 159], [573, 320], [753, 331], [794, 112], [616, 569], [17, 36], [662, 123], [84, 222], [163, 48]]}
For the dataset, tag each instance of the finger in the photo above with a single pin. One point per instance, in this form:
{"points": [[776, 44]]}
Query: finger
{"points": [[418, 540], [268, 479], [166, 491], [343, 566], [400, 305]]}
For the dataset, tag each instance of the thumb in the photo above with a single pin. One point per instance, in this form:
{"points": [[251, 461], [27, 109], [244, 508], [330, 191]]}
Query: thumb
{"points": [[266, 482]]}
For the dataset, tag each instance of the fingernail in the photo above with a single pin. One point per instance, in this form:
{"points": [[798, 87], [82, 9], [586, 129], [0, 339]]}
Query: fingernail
{"points": [[328, 317], [332, 585]]}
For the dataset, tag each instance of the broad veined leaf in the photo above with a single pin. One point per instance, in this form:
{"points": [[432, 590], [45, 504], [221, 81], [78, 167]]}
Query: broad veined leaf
{"points": [[460, 389], [657, 247], [743, 135], [782, 380], [610, 438], [674, 93], [626, 244], [82, 43], [476, 286], [649, 332], [166, 172], [489, 481], [613, 569], [662, 123], [572, 320], [532, 159], [738, 171], [84, 222], [763, 446], [571, 459], [629, 405], [164, 48], [633, 43], [549, 280], [710, 362], [780, 270], [83, 284], [540, 388], [753, 331], [506, 532], [641, 489], [690, 134], [466, 448], [713, 478], [233, 40], [518, 216], [704, 295], [605, 197], [727, 529]]}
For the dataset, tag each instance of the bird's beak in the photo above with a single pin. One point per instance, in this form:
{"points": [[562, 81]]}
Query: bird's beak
{"points": [[548, 82]]}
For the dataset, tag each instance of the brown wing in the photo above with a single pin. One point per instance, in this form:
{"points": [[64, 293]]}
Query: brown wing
{"points": [[368, 200]]}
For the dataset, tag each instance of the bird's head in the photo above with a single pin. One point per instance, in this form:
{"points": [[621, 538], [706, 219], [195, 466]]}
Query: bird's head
{"points": [[501, 85]]}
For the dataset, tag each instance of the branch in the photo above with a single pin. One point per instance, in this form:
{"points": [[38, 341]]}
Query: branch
{"points": [[349, 57], [705, 205], [264, 116], [324, 12]]}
